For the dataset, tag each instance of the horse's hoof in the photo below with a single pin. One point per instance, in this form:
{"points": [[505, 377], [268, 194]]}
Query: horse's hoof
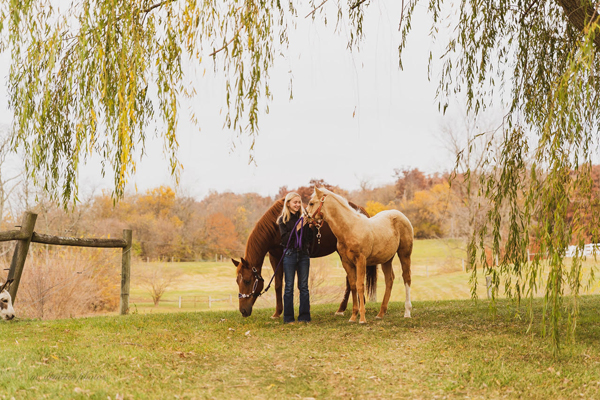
{"points": [[339, 313], [362, 322], [378, 317], [407, 315], [351, 320], [275, 316]]}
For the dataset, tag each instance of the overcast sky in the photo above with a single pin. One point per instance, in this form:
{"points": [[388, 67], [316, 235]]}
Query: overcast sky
{"points": [[355, 116]]}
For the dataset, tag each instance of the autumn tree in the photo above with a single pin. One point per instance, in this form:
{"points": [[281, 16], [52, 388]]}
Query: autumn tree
{"points": [[221, 236], [374, 207], [382, 194], [429, 211], [411, 180], [307, 191]]}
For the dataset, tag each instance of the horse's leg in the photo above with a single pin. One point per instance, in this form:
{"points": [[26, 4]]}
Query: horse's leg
{"points": [[388, 273], [361, 271], [278, 286], [344, 303], [404, 254], [351, 276]]}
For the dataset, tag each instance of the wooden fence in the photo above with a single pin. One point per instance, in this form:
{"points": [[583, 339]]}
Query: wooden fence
{"points": [[25, 235]]}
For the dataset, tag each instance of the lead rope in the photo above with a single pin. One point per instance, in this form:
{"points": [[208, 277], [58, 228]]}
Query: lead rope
{"points": [[298, 240]]}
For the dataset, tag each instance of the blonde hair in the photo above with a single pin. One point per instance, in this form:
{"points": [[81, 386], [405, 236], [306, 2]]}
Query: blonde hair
{"points": [[285, 213]]}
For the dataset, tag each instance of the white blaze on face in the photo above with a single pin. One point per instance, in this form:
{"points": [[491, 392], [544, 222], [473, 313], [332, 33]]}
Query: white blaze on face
{"points": [[6, 309]]}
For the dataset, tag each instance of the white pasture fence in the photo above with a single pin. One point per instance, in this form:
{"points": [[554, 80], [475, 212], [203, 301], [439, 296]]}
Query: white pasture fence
{"points": [[588, 250], [212, 300], [192, 302]]}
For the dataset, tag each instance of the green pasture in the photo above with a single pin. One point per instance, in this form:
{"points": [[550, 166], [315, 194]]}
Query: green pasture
{"points": [[436, 268], [437, 274], [449, 349]]}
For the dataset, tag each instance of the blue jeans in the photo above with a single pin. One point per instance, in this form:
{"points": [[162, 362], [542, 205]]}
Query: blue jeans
{"points": [[296, 261]]}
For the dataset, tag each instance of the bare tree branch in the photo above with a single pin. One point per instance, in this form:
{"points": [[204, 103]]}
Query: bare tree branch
{"points": [[226, 44], [359, 3], [316, 8]]}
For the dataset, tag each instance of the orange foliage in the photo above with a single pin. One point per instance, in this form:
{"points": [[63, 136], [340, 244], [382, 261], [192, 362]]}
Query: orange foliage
{"points": [[221, 235]]}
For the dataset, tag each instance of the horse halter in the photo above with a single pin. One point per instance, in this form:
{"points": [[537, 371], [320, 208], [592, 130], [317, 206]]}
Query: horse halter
{"points": [[318, 222], [257, 278], [318, 210]]}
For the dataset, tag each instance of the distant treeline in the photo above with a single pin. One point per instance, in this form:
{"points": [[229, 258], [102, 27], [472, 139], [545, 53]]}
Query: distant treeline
{"points": [[169, 225]]}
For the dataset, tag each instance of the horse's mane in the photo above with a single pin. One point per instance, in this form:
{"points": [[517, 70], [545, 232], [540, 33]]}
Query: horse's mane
{"points": [[341, 200], [261, 237]]}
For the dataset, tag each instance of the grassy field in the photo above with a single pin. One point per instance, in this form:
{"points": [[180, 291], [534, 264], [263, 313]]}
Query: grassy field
{"points": [[449, 349], [437, 274], [436, 267]]}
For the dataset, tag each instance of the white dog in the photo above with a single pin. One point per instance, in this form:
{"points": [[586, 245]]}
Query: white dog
{"points": [[7, 311]]}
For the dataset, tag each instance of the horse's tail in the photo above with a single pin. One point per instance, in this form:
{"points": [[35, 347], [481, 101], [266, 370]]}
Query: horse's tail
{"points": [[371, 280]]}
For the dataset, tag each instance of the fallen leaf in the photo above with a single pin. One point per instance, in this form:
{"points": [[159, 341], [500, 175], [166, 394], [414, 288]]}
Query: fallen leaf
{"points": [[247, 333]]}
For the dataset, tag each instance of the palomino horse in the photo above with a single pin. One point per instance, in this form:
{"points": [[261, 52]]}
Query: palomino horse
{"points": [[6, 309], [363, 241], [264, 239]]}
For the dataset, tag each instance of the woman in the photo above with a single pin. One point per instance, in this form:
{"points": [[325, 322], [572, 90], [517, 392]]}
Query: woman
{"points": [[296, 237]]}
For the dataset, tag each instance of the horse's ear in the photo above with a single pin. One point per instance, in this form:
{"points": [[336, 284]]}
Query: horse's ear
{"points": [[235, 262], [6, 285], [318, 192]]}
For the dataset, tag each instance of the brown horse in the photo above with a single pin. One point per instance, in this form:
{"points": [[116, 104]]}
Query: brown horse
{"points": [[264, 239], [363, 241]]}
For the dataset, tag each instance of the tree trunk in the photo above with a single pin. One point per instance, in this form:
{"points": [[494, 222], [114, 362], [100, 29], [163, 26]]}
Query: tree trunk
{"points": [[580, 13]]}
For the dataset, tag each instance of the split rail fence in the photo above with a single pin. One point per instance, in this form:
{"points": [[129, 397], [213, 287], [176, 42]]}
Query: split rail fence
{"points": [[25, 235]]}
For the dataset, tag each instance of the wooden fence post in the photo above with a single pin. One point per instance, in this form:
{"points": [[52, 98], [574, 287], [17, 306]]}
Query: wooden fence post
{"points": [[21, 249], [125, 272]]}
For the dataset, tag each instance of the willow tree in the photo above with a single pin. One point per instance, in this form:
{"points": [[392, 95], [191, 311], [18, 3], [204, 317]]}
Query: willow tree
{"points": [[92, 77], [538, 60]]}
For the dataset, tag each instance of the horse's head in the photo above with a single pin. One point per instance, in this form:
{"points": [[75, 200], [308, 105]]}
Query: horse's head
{"points": [[315, 206], [6, 309], [250, 284]]}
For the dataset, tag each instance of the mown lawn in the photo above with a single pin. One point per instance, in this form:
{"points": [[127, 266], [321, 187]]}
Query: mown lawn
{"points": [[449, 349]]}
